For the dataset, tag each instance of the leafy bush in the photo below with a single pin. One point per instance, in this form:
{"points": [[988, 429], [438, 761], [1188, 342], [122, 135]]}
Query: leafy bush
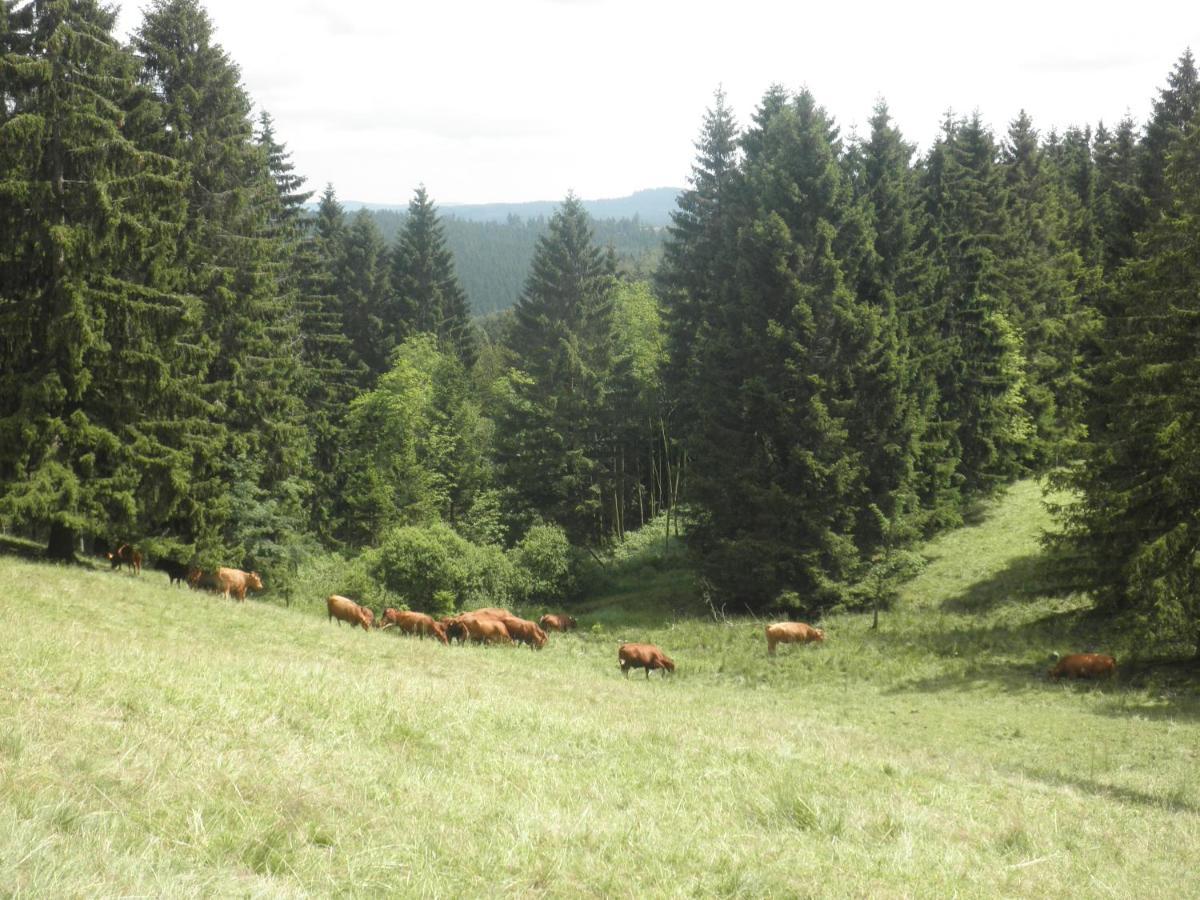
{"points": [[435, 569], [544, 564]]}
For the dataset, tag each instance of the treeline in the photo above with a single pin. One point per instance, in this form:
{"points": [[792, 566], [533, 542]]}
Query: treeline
{"points": [[492, 259], [845, 344]]}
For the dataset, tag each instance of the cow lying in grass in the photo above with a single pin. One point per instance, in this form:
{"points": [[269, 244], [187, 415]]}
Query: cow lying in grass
{"points": [[1084, 665], [643, 656]]}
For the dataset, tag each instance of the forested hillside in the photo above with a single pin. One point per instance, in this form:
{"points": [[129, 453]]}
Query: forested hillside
{"points": [[492, 258], [844, 346]]}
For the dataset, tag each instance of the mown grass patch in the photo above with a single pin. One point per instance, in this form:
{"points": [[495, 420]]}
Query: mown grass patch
{"points": [[157, 741]]}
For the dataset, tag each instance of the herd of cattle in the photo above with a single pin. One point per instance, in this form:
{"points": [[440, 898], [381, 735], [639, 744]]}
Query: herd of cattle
{"points": [[493, 625]]}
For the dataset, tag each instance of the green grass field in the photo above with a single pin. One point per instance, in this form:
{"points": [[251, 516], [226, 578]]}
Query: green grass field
{"points": [[157, 742]]}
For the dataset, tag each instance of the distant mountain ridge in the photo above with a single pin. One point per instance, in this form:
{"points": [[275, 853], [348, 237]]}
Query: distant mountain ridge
{"points": [[651, 206]]}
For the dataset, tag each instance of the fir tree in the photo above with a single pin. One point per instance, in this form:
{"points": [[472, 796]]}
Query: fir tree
{"points": [[362, 288], [1120, 202]]}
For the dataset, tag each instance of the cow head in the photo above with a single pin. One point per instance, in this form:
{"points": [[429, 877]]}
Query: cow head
{"points": [[818, 634], [254, 581]]}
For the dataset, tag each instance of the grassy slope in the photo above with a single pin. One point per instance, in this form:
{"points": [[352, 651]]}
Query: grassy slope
{"points": [[160, 742]]}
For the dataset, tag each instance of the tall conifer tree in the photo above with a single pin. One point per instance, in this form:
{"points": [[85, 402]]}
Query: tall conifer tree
{"points": [[552, 441], [428, 297], [93, 372]]}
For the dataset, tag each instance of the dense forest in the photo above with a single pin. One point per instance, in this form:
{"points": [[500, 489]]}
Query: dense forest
{"points": [[844, 345]]}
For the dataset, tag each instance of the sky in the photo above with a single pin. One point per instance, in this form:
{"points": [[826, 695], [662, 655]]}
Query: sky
{"points": [[509, 100]]}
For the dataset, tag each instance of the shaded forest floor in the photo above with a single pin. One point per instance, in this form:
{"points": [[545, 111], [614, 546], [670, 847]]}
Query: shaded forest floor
{"points": [[156, 741]]}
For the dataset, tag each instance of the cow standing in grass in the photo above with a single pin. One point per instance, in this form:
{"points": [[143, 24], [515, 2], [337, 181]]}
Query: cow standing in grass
{"points": [[346, 610], [124, 555], [1084, 665], [643, 656], [791, 633]]}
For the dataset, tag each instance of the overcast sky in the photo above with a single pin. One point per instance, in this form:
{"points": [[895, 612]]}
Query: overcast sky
{"points": [[501, 100]]}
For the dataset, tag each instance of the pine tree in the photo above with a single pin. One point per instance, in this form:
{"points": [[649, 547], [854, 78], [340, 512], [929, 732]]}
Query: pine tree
{"points": [[552, 440], [428, 297], [94, 370]]}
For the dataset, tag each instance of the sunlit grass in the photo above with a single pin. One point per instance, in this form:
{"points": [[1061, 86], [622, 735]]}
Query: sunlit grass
{"points": [[159, 742]]}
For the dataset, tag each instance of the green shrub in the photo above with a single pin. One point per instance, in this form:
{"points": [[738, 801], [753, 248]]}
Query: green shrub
{"points": [[544, 564], [436, 569]]}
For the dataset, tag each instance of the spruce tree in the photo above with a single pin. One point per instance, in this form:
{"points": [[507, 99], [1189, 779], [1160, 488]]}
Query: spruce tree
{"points": [[1041, 276], [427, 295], [1138, 479], [231, 259], [1120, 202], [981, 377], [553, 441], [906, 456], [95, 373], [697, 255], [362, 288], [777, 459], [1174, 111]]}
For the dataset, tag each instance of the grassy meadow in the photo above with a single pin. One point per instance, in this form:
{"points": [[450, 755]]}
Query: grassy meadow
{"points": [[159, 742]]}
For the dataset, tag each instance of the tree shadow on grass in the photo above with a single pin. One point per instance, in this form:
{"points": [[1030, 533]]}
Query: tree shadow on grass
{"points": [[1103, 791], [1024, 578], [25, 549]]}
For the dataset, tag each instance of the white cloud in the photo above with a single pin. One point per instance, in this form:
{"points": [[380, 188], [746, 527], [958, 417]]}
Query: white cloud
{"points": [[525, 99]]}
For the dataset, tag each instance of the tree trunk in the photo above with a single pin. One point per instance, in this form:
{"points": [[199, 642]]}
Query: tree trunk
{"points": [[61, 545]]}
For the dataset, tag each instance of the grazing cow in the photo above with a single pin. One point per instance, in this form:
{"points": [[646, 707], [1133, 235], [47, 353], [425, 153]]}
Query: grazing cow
{"points": [[125, 555], [198, 579], [415, 623], [455, 629], [485, 630], [643, 656], [346, 610], [558, 622], [494, 612], [525, 632], [791, 633], [1084, 665], [237, 582], [175, 571]]}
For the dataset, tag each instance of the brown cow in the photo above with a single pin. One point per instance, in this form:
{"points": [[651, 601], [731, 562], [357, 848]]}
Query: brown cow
{"points": [[494, 612], [346, 610], [455, 629], [791, 633], [125, 555], [1084, 665], [485, 629], [237, 582], [643, 656], [525, 632], [414, 623], [558, 622]]}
